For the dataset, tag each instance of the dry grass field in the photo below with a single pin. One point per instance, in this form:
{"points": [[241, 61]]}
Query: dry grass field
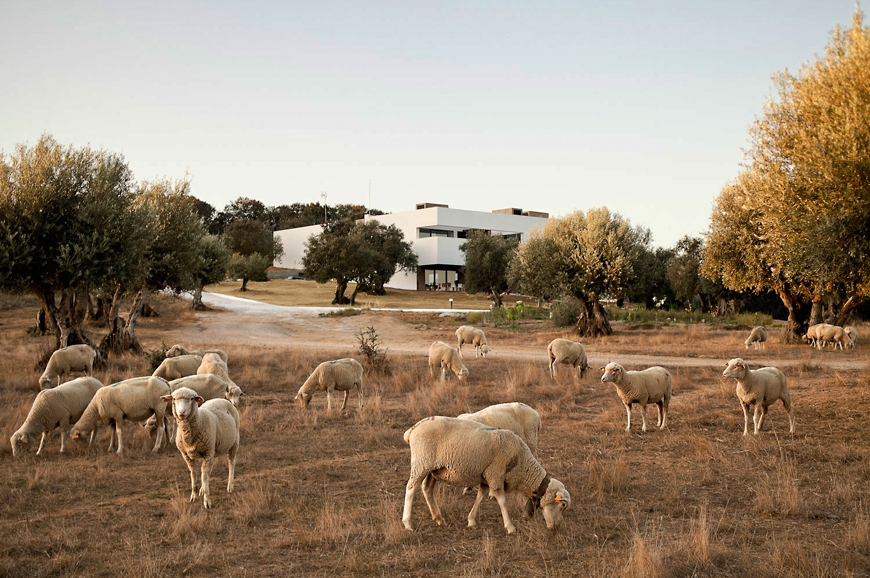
{"points": [[320, 494]]}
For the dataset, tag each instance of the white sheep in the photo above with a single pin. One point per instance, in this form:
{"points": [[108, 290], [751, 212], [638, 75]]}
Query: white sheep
{"points": [[58, 407], [474, 336], [756, 338], [208, 386], [178, 367], [514, 416], [813, 335], [464, 453], [443, 356], [761, 388], [66, 360], [212, 363], [179, 349], [652, 385], [205, 429], [853, 335], [833, 334], [339, 375], [134, 399], [570, 353]]}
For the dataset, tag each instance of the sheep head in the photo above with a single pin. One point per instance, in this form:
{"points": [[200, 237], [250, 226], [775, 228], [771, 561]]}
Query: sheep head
{"points": [[44, 382], [19, 444], [554, 502], [185, 402], [612, 373], [736, 368]]}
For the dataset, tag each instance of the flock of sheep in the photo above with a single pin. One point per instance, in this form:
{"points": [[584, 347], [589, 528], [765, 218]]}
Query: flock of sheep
{"points": [[191, 396]]}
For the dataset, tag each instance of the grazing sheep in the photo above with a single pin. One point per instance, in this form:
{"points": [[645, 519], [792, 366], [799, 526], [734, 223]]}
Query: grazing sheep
{"points": [[833, 334], [67, 360], [135, 399], [178, 367], [329, 376], [443, 356], [465, 453], [178, 349], [853, 335], [652, 385], [570, 353], [756, 338], [761, 388], [213, 364], [516, 417], [813, 335], [474, 336], [52, 408], [205, 429]]}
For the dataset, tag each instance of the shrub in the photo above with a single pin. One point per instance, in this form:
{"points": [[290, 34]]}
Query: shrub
{"points": [[566, 312], [156, 356], [370, 349]]}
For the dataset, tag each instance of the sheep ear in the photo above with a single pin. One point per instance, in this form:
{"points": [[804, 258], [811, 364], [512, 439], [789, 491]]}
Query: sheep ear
{"points": [[199, 400], [23, 440], [166, 398]]}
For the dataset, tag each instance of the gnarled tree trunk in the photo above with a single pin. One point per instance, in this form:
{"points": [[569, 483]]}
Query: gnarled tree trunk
{"points": [[796, 326], [593, 319]]}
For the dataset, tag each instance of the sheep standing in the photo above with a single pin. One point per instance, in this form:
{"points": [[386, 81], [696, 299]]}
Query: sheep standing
{"points": [[652, 385], [761, 388], [339, 375], [756, 338], [853, 336], [205, 429], [833, 334], [813, 335], [213, 364], [66, 360], [52, 408], [178, 367], [178, 349], [465, 453], [570, 353], [516, 417], [134, 399], [443, 356], [474, 336]]}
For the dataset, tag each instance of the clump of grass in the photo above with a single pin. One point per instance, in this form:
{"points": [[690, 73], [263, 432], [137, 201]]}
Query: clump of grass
{"points": [[645, 558], [607, 476]]}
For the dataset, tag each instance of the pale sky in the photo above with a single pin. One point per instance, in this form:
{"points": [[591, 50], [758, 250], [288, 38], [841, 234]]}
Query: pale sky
{"points": [[642, 107]]}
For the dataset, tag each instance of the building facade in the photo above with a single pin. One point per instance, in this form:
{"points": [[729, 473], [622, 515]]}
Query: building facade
{"points": [[435, 233]]}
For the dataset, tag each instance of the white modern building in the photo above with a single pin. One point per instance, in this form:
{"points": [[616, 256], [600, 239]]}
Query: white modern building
{"points": [[435, 232]]}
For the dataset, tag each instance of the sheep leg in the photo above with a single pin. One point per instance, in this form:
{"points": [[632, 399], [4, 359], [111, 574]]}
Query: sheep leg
{"points": [[42, 442], [460, 349], [161, 425], [443, 372], [787, 404], [118, 428], [472, 515], [359, 390], [643, 415], [344, 403], [205, 470], [410, 489], [231, 466], [552, 368], [758, 417], [191, 465], [328, 399], [499, 495], [114, 427], [428, 486], [745, 407], [663, 409], [628, 414]]}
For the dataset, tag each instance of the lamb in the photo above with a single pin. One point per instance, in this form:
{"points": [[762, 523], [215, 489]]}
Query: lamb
{"points": [[52, 408], [465, 453], [570, 353], [516, 417], [135, 399], [474, 336], [178, 349], [178, 367], [66, 360], [652, 385], [853, 335], [205, 429], [443, 356], [756, 338], [761, 388], [329, 376], [833, 334]]}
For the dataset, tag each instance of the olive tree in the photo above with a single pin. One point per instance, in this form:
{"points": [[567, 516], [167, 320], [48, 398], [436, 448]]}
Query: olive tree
{"points": [[793, 221], [486, 263], [66, 227]]}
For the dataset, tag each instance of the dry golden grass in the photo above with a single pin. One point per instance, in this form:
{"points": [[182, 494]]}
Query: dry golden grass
{"points": [[320, 493]]}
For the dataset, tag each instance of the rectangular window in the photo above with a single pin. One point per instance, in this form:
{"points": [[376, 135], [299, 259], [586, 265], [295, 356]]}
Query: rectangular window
{"points": [[423, 233]]}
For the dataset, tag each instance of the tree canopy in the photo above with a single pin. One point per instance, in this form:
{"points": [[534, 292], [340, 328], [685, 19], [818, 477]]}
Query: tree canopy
{"points": [[366, 253], [486, 263], [793, 221]]}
